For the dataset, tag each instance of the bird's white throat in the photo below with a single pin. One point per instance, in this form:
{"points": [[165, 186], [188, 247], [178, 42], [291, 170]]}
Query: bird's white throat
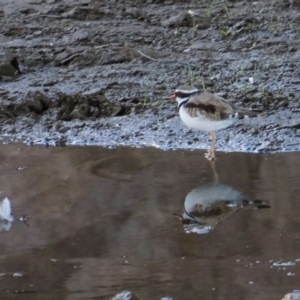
{"points": [[182, 100]]}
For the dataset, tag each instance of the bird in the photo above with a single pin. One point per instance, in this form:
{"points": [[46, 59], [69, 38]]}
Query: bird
{"points": [[204, 111], [207, 204]]}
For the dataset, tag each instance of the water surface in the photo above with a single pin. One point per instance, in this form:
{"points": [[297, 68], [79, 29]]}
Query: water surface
{"points": [[101, 221]]}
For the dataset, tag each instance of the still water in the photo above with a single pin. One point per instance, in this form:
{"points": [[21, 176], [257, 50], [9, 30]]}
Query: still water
{"points": [[102, 221]]}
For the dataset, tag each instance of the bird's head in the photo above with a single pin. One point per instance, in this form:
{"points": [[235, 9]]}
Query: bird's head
{"points": [[183, 93]]}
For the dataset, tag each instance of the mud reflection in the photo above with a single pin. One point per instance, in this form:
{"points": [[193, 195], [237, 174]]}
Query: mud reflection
{"points": [[208, 204]]}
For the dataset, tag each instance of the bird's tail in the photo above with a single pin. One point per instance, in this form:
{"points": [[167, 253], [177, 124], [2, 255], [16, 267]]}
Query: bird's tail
{"points": [[257, 204]]}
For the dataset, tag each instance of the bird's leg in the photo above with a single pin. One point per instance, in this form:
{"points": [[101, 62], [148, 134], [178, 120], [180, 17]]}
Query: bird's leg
{"points": [[211, 152], [216, 176]]}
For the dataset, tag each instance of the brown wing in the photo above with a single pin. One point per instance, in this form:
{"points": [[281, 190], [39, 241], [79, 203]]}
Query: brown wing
{"points": [[213, 213], [209, 105], [215, 107]]}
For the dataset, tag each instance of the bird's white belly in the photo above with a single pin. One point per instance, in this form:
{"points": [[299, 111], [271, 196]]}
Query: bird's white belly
{"points": [[202, 123], [206, 195]]}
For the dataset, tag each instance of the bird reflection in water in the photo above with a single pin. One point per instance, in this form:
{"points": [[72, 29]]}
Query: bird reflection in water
{"points": [[206, 205]]}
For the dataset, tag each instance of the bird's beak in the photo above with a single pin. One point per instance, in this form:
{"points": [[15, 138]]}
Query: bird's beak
{"points": [[172, 97], [178, 216]]}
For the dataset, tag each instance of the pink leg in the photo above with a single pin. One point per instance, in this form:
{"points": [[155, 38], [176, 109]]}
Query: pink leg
{"points": [[211, 152]]}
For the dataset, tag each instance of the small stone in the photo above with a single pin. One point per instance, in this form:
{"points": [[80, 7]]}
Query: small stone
{"points": [[254, 131], [125, 295]]}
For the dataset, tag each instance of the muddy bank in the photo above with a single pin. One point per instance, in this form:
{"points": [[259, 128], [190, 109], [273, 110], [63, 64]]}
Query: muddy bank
{"points": [[100, 74]]}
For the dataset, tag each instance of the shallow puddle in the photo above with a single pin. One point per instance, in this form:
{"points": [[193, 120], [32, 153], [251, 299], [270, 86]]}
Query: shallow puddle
{"points": [[102, 221]]}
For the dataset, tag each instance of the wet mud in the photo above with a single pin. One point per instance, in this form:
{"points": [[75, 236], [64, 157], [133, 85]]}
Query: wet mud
{"points": [[99, 73], [102, 221]]}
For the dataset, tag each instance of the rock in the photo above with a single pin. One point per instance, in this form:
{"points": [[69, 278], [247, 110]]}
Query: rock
{"points": [[134, 12], [187, 19], [80, 111], [79, 35], [94, 112], [34, 1], [172, 21], [254, 131], [117, 111], [71, 13], [207, 46], [18, 43], [125, 295], [145, 54], [84, 12], [36, 102], [10, 68]]}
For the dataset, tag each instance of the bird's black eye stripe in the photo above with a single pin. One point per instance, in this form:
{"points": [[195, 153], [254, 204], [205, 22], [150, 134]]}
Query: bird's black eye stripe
{"points": [[182, 95]]}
